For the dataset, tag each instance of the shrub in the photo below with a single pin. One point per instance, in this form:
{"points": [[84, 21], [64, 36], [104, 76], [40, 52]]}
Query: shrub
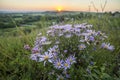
{"points": [[65, 51]]}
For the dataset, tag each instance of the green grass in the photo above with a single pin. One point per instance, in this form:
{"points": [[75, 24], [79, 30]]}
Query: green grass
{"points": [[15, 62]]}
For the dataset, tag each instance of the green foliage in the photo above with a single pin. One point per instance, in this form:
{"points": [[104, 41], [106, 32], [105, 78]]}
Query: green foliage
{"points": [[15, 62]]}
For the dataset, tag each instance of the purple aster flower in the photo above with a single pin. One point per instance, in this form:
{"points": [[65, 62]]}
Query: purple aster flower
{"points": [[91, 32], [80, 26], [43, 39], [35, 49], [27, 47], [68, 35], [91, 38], [99, 32], [49, 32], [55, 46], [65, 51], [40, 40], [58, 64], [66, 64], [35, 56], [111, 48], [107, 46], [46, 57], [81, 46], [71, 59], [54, 51], [67, 28]]}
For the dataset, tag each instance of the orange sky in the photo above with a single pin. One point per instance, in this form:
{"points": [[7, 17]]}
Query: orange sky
{"points": [[72, 5]]}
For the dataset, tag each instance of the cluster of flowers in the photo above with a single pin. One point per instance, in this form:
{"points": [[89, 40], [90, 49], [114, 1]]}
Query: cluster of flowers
{"points": [[53, 56], [86, 36]]}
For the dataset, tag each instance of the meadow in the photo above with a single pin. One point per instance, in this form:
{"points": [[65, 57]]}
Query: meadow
{"points": [[15, 61]]}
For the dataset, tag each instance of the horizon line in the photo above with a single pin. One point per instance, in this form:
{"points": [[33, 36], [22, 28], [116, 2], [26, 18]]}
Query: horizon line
{"points": [[6, 10]]}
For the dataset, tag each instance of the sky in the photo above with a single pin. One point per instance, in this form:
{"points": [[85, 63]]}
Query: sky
{"points": [[71, 5]]}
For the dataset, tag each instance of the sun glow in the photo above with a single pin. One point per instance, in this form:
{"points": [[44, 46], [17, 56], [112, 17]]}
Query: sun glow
{"points": [[59, 9]]}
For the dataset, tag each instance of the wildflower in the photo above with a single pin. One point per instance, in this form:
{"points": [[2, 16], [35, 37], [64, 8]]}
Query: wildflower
{"points": [[46, 57], [54, 55], [99, 32], [43, 39], [53, 51], [111, 48], [50, 33], [58, 63], [27, 47], [68, 35], [107, 46], [55, 46], [40, 40], [91, 38], [35, 49], [66, 64], [67, 28], [81, 46], [72, 59], [65, 51], [35, 56], [80, 26], [91, 32]]}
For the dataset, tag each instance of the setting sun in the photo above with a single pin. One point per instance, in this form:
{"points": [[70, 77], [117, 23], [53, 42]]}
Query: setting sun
{"points": [[59, 9]]}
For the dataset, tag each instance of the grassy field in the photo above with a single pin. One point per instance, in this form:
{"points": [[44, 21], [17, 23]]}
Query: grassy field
{"points": [[15, 63]]}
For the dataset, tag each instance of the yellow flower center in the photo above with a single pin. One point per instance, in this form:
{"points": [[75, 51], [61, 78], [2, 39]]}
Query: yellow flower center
{"points": [[66, 64], [46, 57], [58, 64], [81, 46]]}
